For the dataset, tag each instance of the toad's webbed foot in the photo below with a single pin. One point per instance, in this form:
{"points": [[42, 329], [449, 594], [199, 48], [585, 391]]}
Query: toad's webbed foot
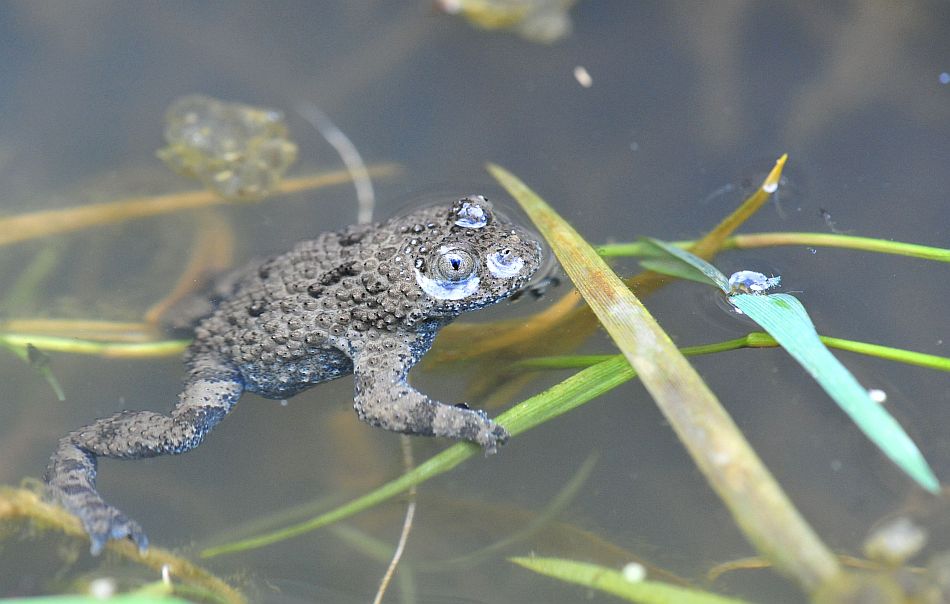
{"points": [[71, 478], [211, 391], [384, 398]]}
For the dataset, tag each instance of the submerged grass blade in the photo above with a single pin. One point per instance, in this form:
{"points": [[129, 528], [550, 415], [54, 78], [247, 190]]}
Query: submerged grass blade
{"points": [[785, 319], [20, 341], [561, 398], [612, 582], [758, 505], [24, 227]]}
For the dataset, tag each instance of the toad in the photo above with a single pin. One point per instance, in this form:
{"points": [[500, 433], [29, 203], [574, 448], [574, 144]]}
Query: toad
{"points": [[366, 300]]}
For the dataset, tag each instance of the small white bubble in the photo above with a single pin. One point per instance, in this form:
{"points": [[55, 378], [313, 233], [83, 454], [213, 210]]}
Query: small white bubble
{"points": [[634, 146], [102, 588], [944, 78], [583, 77], [634, 572], [836, 465], [877, 395], [812, 250], [770, 187], [284, 403]]}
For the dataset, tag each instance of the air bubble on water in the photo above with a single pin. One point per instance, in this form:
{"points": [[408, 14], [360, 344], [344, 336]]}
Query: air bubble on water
{"points": [[284, 403], [944, 78], [751, 282], [102, 588], [877, 395], [770, 187]]}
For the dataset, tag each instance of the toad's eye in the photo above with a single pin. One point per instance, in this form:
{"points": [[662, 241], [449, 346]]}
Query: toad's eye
{"points": [[505, 263], [452, 274], [453, 265]]}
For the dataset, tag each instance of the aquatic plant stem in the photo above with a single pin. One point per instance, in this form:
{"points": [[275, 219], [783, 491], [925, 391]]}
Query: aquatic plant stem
{"points": [[20, 504], [759, 506], [557, 400], [24, 227], [759, 240], [755, 339], [408, 464]]}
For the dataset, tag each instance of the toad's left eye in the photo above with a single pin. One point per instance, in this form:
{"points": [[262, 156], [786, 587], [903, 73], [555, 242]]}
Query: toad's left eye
{"points": [[505, 263]]}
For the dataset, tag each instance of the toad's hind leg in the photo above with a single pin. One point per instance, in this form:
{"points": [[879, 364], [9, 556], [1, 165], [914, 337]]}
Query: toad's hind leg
{"points": [[210, 392], [384, 398]]}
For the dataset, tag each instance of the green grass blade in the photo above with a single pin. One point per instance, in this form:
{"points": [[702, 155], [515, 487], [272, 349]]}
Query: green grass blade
{"points": [[758, 505], [557, 400], [758, 240], [612, 582], [785, 319], [674, 268], [694, 264], [754, 339]]}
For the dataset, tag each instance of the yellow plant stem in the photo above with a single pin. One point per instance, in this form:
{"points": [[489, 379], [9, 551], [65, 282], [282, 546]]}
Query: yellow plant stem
{"points": [[24, 227], [21, 504], [123, 350]]}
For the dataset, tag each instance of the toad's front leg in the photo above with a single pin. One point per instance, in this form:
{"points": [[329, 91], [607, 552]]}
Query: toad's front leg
{"points": [[211, 391], [384, 397]]}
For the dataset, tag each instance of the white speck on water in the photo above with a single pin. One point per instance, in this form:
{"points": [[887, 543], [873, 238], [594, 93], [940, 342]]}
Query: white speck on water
{"points": [[634, 146], [877, 395], [944, 78], [812, 250], [450, 7], [583, 77], [896, 541], [102, 588], [634, 572], [836, 465], [284, 403], [770, 187]]}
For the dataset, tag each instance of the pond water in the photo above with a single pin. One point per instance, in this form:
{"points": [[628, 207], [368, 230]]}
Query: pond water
{"points": [[647, 119]]}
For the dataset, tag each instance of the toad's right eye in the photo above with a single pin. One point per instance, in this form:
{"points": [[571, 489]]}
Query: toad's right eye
{"points": [[453, 265], [452, 274]]}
